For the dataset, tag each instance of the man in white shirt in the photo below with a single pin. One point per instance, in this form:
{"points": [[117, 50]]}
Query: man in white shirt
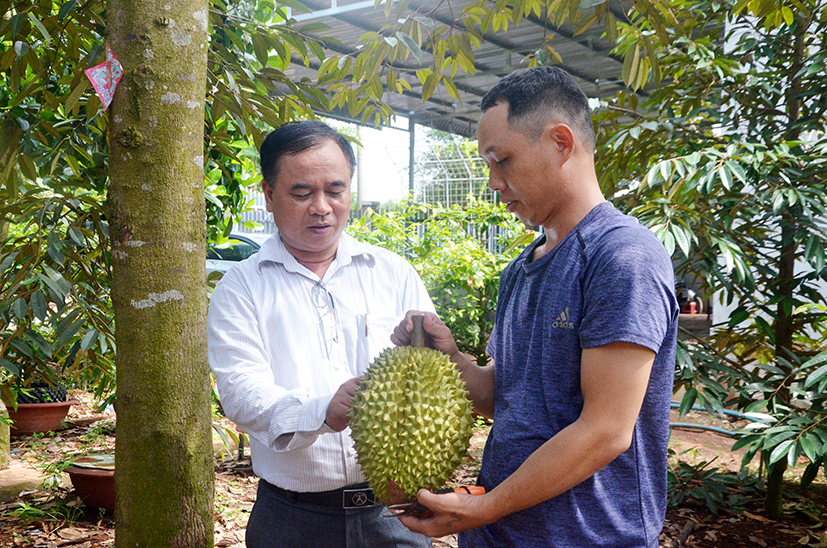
{"points": [[290, 331]]}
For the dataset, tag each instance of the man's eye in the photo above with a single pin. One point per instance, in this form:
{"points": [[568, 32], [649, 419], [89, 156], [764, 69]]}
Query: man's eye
{"points": [[302, 196], [502, 162]]}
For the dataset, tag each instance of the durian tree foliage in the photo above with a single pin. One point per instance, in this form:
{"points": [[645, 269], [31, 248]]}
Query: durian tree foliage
{"points": [[726, 160]]}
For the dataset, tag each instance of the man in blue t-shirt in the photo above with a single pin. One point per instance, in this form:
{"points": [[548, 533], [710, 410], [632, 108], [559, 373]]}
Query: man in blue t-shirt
{"points": [[583, 349]]}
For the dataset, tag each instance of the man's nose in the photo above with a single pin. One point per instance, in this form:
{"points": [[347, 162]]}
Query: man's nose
{"points": [[320, 205], [495, 182]]}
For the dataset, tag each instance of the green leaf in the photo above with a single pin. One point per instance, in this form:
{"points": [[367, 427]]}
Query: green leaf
{"points": [[819, 373], [412, 46], [610, 23], [787, 14], [687, 401], [763, 417], [38, 304], [738, 316], [429, 86], [43, 32], [20, 308], [586, 4], [810, 446], [451, 87], [11, 367], [56, 282], [41, 343], [736, 169], [314, 27], [21, 48], [746, 441], [297, 6], [810, 473], [780, 451], [668, 241], [69, 332], [22, 346], [88, 340], [260, 48], [778, 202], [725, 176], [72, 101], [54, 251], [76, 236], [65, 9], [681, 238]]}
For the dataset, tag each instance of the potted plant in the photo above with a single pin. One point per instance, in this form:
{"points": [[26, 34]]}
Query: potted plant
{"points": [[56, 322], [36, 400]]}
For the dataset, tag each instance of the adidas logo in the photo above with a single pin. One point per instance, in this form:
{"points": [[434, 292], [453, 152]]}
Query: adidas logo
{"points": [[562, 321]]}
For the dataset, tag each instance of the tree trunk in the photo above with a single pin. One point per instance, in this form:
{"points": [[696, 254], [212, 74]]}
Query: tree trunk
{"points": [[786, 266], [164, 473], [10, 133], [774, 502]]}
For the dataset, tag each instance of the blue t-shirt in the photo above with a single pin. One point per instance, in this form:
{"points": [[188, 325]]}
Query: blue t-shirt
{"points": [[609, 280]]}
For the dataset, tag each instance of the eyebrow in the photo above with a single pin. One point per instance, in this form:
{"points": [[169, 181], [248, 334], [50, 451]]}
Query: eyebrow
{"points": [[306, 186], [300, 186]]}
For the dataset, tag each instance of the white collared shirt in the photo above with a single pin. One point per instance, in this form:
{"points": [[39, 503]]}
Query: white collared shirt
{"points": [[278, 356]]}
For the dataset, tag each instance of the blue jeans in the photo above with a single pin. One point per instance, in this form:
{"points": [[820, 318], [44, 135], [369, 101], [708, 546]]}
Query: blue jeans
{"points": [[277, 522]]}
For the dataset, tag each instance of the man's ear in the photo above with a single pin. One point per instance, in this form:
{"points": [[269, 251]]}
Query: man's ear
{"points": [[561, 137], [268, 195]]}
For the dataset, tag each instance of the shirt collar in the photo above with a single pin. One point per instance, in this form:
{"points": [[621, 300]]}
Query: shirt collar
{"points": [[273, 250]]}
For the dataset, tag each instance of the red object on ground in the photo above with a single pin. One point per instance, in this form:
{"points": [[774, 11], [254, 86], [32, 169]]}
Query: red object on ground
{"points": [[690, 308], [95, 487], [39, 417]]}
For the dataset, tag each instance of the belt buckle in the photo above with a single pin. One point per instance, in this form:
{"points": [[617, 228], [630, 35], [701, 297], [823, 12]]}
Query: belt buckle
{"points": [[353, 499]]}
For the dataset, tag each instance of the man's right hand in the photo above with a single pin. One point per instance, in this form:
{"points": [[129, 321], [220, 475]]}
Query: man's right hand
{"points": [[441, 336], [479, 380]]}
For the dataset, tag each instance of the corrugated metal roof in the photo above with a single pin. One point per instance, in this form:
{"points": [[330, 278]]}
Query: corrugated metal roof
{"points": [[585, 56]]}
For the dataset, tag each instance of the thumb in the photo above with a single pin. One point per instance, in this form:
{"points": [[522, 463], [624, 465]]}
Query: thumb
{"points": [[427, 499]]}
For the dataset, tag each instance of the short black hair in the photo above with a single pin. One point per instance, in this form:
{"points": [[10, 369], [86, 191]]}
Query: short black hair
{"points": [[295, 137], [531, 93]]}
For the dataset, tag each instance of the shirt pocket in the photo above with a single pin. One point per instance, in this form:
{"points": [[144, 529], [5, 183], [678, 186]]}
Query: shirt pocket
{"points": [[374, 336]]}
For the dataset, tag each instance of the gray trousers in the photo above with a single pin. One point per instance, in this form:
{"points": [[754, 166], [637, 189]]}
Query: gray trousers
{"points": [[277, 522]]}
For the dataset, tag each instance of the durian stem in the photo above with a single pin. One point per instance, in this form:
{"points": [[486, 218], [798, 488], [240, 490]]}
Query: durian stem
{"points": [[418, 333]]}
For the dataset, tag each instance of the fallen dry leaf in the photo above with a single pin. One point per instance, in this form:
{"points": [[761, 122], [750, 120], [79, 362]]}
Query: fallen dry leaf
{"points": [[756, 517], [70, 533]]}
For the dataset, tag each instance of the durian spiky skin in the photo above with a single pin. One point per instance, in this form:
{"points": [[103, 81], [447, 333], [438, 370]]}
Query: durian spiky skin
{"points": [[411, 420]]}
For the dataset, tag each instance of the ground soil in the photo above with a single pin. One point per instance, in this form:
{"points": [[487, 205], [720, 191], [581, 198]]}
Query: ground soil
{"points": [[53, 517]]}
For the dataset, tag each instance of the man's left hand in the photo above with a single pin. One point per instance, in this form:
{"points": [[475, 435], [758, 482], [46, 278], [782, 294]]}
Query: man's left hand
{"points": [[451, 513], [336, 416]]}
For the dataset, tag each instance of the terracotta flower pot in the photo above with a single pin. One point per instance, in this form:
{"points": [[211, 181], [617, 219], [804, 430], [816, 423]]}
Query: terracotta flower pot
{"points": [[93, 477], [39, 417]]}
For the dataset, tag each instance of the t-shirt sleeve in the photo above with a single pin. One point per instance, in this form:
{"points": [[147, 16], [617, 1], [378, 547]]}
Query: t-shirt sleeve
{"points": [[628, 291]]}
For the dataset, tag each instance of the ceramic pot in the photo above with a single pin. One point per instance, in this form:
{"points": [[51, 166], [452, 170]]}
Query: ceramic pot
{"points": [[93, 477], [96, 488], [39, 417]]}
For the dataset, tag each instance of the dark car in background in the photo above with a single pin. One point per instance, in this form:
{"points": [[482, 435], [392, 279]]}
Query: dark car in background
{"points": [[239, 246]]}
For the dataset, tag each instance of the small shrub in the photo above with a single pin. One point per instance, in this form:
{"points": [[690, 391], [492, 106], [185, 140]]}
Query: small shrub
{"points": [[459, 252]]}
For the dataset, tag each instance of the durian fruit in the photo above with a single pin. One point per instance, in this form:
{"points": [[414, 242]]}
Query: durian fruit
{"points": [[411, 421]]}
